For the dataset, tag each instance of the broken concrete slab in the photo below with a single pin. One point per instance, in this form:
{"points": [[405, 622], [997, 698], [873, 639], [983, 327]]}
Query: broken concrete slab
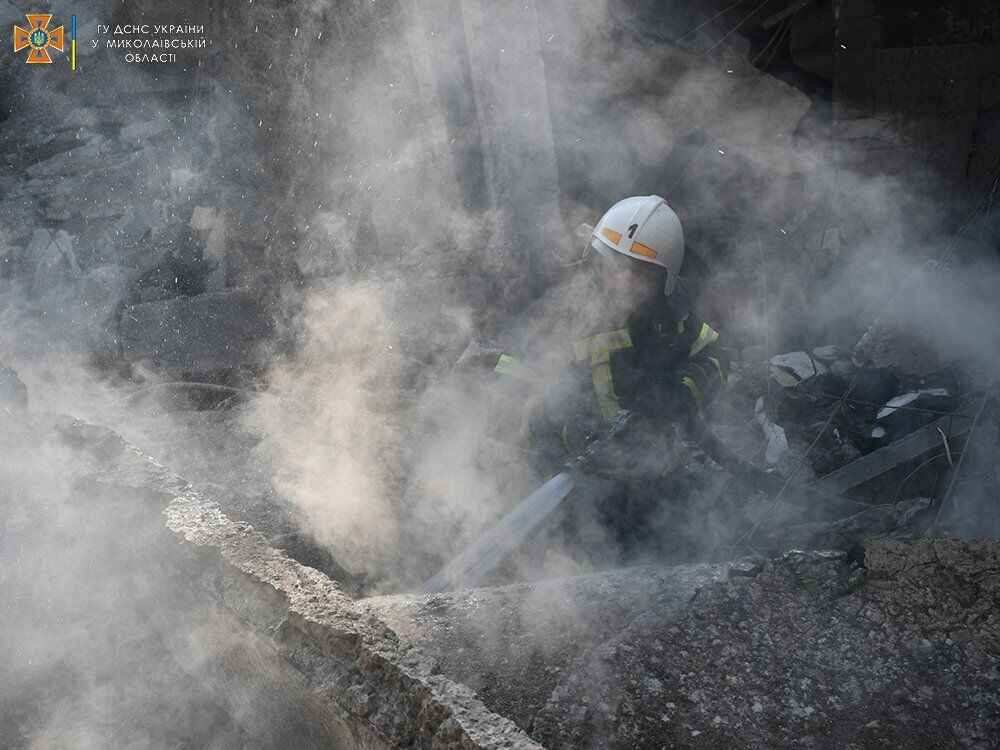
{"points": [[789, 652], [776, 443], [512, 644], [209, 332], [285, 653]]}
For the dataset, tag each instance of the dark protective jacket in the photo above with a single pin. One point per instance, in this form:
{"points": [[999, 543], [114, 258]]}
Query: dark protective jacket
{"points": [[673, 364]]}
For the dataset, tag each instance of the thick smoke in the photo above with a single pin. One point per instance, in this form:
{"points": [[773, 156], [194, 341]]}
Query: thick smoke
{"points": [[83, 663], [394, 460], [437, 168]]}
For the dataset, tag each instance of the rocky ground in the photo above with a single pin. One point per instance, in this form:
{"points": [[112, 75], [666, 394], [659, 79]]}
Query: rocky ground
{"points": [[894, 646], [807, 650]]}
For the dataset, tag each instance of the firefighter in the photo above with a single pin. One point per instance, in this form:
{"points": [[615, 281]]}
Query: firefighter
{"points": [[649, 355], [651, 346]]}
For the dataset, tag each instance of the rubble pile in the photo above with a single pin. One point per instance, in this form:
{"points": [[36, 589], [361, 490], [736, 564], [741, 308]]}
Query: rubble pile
{"points": [[215, 638], [805, 649], [111, 227], [896, 645]]}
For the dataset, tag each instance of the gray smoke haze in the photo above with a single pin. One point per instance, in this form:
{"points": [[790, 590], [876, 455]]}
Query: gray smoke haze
{"points": [[82, 662], [396, 461], [438, 170]]}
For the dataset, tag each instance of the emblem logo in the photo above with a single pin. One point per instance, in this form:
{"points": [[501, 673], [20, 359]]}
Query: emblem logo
{"points": [[39, 37]]}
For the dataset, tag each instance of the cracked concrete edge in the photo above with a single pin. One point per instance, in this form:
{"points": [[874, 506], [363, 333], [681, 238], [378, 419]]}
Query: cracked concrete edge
{"points": [[351, 660]]}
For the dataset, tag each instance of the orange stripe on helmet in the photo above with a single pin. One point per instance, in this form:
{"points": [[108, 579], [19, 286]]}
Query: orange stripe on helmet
{"points": [[612, 235], [640, 249]]}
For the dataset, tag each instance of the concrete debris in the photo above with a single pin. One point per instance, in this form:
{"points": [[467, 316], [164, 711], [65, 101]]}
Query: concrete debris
{"points": [[843, 368], [714, 656], [315, 670], [775, 442], [790, 369], [848, 450], [871, 436], [747, 566], [907, 336], [890, 640], [908, 399], [910, 411]]}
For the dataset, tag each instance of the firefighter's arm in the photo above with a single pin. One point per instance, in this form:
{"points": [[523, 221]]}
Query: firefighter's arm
{"points": [[527, 385], [540, 417], [703, 374]]}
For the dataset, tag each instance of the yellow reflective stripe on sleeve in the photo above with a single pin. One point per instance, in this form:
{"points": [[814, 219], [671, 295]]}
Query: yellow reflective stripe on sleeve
{"points": [[680, 326], [718, 367], [608, 341], [598, 348], [607, 400], [513, 368], [694, 390], [708, 335]]}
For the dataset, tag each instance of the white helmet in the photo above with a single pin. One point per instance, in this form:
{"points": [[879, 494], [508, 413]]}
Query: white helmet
{"points": [[644, 228]]}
